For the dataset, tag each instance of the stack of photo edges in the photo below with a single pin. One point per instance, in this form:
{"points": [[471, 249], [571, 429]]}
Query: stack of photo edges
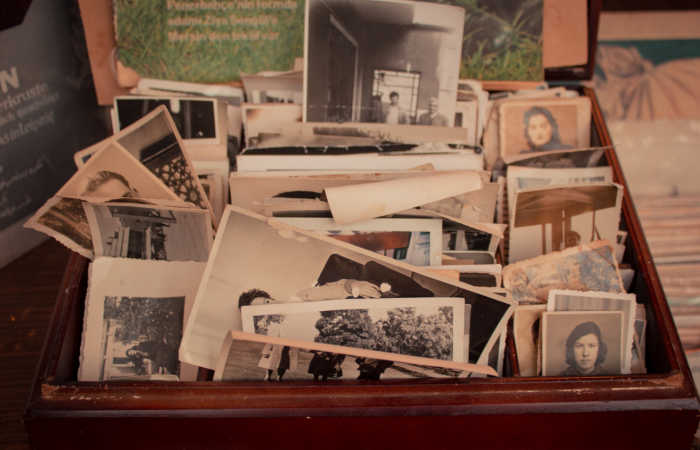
{"points": [[369, 224]]}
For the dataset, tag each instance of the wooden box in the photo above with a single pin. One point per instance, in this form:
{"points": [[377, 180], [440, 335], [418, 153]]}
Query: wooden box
{"points": [[656, 410]]}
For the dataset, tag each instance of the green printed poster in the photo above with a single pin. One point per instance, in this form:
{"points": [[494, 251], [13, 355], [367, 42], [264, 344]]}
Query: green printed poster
{"points": [[208, 41]]}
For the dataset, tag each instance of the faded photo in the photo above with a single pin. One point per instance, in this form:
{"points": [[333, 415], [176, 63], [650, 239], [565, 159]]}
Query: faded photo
{"points": [[581, 343], [590, 267], [147, 232], [141, 337], [64, 219], [415, 241], [548, 219], [393, 62], [527, 321], [250, 250], [540, 126], [264, 122]]}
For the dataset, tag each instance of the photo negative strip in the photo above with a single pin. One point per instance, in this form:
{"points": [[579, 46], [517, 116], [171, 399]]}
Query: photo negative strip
{"points": [[553, 218], [565, 300], [134, 317], [589, 267], [249, 249], [64, 219], [537, 126], [578, 344], [414, 241], [129, 230], [425, 327], [395, 62], [253, 357], [527, 320]]}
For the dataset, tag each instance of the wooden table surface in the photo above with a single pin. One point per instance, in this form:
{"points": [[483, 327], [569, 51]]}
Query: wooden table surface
{"points": [[28, 288]]}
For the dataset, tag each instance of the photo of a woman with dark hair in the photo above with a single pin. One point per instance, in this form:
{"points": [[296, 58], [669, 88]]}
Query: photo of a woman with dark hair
{"points": [[585, 351], [541, 131]]}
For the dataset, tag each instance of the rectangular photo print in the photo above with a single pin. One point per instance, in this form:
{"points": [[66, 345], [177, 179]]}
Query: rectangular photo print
{"points": [[536, 126], [566, 300], [414, 241], [436, 325], [252, 357], [249, 248], [394, 62], [130, 230], [134, 319], [581, 343]]}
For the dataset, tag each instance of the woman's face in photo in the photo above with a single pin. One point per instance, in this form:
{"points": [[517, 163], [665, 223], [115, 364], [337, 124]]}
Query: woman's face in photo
{"points": [[539, 130], [586, 352]]}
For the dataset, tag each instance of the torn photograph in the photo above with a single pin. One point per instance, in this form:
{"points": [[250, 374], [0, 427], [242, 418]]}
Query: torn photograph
{"points": [[249, 247], [128, 230], [589, 267], [64, 219], [135, 312], [414, 241], [576, 344], [565, 300], [266, 121], [252, 357], [553, 218], [527, 320], [426, 327], [534, 126], [395, 62]]}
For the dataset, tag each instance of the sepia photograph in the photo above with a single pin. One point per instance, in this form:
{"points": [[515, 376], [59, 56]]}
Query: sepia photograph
{"points": [[140, 338], [535, 126], [527, 320], [576, 344], [414, 241], [135, 312], [426, 327], [565, 300], [128, 230], [552, 218], [64, 219], [244, 357], [394, 62], [274, 87], [589, 267], [249, 247]]}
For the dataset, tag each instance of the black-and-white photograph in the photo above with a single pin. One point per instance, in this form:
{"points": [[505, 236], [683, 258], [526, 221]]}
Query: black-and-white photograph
{"points": [[581, 343], [155, 142], [394, 62], [250, 249], [565, 300], [284, 87], [135, 312], [140, 338], [264, 122], [426, 327], [527, 320], [195, 118], [127, 230]]}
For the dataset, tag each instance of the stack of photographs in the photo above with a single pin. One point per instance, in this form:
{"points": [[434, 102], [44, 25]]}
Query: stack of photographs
{"points": [[377, 217]]}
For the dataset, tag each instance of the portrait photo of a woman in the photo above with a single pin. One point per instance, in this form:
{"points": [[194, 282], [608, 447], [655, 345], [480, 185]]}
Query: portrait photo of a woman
{"points": [[581, 343], [541, 131]]}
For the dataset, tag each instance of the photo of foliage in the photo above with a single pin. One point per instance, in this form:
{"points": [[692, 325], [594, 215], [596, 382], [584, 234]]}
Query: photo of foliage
{"points": [[186, 41], [402, 331]]}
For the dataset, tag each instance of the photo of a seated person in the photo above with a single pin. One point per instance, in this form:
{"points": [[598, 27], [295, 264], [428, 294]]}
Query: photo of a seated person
{"points": [[541, 131], [433, 117], [585, 351]]}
